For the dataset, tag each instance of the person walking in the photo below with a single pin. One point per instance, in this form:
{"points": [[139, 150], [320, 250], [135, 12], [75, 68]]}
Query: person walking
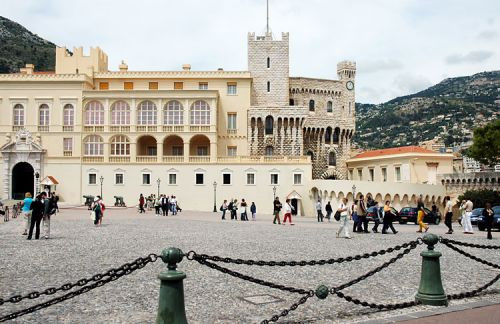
{"points": [[48, 211], [420, 215], [253, 210], [488, 214], [230, 208], [141, 204], [234, 210], [388, 218], [26, 204], [173, 205], [103, 208], [276, 210], [448, 214], [164, 205], [319, 210], [466, 219], [223, 209], [287, 212], [462, 212], [354, 215], [329, 210], [96, 208], [361, 210], [344, 214], [37, 208], [377, 218], [243, 210], [157, 206]]}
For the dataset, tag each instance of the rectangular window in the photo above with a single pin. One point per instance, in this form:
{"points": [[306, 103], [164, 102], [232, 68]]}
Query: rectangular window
{"points": [[360, 174], [92, 178], [226, 178], [372, 174], [397, 173], [178, 85], [119, 178], [128, 85], [103, 85], [231, 121], [250, 178], [151, 150], [297, 179], [232, 150], [172, 179], [177, 150], [231, 88], [203, 86], [153, 85], [274, 179], [146, 178], [351, 174], [67, 144], [268, 86], [202, 150], [384, 174], [200, 178]]}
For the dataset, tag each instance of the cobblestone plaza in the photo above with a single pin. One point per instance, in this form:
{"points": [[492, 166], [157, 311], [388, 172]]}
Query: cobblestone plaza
{"points": [[78, 250]]}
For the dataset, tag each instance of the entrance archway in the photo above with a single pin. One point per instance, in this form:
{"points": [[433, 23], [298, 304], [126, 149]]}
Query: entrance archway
{"points": [[22, 180]]}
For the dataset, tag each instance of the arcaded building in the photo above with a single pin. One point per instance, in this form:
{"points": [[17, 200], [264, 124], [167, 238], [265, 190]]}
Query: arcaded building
{"points": [[202, 135]]}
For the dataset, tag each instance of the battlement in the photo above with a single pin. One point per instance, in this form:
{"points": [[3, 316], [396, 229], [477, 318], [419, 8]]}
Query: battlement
{"points": [[77, 62], [267, 37], [346, 70]]}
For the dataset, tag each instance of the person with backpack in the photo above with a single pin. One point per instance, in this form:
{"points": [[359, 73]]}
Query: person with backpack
{"points": [[378, 217], [361, 211], [230, 208], [329, 210], [26, 203], [287, 211], [276, 210], [223, 209], [164, 205], [48, 210], [96, 209]]}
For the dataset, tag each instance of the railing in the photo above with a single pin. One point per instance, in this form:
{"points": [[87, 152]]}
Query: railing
{"points": [[93, 159], [140, 128], [67, 153], [172, 158], [232, 131], [68, 128], [17, 128], [119, 159], [93, 129], [146, 159], [262, 159], [43, 128], [199, 128], [199, 159]]}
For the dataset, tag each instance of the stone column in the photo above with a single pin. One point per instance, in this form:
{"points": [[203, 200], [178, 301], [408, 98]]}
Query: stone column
{"points": [[133, 151], [186, 151], [159, 150], [213, 151]]}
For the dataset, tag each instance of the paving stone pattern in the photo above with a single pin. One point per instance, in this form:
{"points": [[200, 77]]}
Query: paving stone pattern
{"points": [[79, 250]]}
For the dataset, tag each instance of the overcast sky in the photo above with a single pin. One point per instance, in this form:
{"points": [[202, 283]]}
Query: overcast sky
{"points": [[400, 46]]}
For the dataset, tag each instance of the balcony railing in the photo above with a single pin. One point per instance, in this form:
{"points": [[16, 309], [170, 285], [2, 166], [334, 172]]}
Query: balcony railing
{"points": [[17, 128], [68, 153], [232, 131], [119, 159], [122, 129], [43, 128], [93, 129], [146, 159], [199, 128], [199, 159], [68, 128], [173, 159], [93, 159], [173, 129]]}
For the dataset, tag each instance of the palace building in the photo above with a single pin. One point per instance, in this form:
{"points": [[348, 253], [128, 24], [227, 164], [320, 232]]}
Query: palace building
{"points": [[201, 135]]}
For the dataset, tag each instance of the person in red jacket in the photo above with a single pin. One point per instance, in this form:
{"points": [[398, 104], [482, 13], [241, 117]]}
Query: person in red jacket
{"points": [[141, 204]]}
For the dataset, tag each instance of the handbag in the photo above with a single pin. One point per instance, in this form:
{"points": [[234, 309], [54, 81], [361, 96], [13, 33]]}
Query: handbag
{"points": [[337, 216]]}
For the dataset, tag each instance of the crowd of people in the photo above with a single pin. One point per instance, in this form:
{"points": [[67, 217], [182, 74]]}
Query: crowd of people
{"points": [[38, 210], [233, 207], [162, 204]]}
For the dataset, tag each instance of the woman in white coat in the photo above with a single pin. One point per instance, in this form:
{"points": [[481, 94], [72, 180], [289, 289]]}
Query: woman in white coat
{"points": [[344, 214]]}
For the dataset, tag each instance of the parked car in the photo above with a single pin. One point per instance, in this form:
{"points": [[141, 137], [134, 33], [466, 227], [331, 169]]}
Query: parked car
{"points": [[371, 213], [409, 215], [476, 213], [481, 223]]}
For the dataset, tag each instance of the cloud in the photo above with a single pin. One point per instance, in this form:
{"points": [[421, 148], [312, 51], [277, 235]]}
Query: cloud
{"points": [[411, 83], [487, 34], [471, 57], [379, 65]]}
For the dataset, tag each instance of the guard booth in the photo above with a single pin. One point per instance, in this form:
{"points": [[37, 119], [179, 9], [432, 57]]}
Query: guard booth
{"points": [[49, 185]]}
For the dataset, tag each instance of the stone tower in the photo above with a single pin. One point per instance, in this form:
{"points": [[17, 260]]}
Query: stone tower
{"points": [[268, 62]]}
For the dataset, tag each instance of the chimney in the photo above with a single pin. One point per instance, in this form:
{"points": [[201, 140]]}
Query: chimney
{"points": [[123, 66], [28, 69], [186, 67]]}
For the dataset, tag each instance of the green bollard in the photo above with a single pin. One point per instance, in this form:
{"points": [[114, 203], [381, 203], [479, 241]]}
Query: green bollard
{"points": [[171, 302], [431, 290]]}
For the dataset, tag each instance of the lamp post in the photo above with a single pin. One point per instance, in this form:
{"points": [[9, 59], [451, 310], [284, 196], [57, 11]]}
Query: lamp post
{"points": [[274, 192], [158, 182], [353, 193], [102, 180], [37, 185], [215, 196]]}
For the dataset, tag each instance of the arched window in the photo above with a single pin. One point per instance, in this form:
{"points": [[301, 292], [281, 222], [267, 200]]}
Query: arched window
{"points": [[120, 113], [311, 105], [329, 106], [120, 145], [94, 113], [269, 150], [68, 115], [200, 113], [173, 113], [311, 154], [18, 115], [93, 145], [332, 159], [146, 113], [268, 62], [43, 115], [336, 134], [269, 125], [328, 135]]}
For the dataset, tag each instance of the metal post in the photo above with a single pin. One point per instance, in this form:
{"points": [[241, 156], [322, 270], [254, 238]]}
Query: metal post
{"points": [[101, 179], [171, 301], [158, 182], [37, 183], [431, 290], [215, 196], [274, 192]]}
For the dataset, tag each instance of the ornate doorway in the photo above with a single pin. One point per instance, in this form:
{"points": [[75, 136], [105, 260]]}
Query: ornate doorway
{"points": [[23, 180]]}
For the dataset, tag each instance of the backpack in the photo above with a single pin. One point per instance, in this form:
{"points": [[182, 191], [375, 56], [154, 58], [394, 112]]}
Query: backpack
{"points": [[337, 216], [103, 208], [221, 207]]}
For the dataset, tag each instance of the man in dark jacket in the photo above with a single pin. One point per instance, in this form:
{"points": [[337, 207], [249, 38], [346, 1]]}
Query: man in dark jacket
{"points": [[276, 210], [48, 211], [37, 208]]}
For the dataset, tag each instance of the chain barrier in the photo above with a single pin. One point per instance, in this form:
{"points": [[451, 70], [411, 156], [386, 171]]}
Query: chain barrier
{"points": [[479, 246], [100, 280], [192, 255], [470, 256], [287, 311], [474, 292]]}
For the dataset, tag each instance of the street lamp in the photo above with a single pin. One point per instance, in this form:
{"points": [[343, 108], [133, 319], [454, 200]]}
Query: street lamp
{"points": [[353, 193], [37, 185], [274, 192], [215, 196], [158, 182], [101, 179]]}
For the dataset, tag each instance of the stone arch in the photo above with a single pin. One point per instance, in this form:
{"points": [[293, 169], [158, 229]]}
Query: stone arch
{"points": [[332, 174], [23, 180], [146, 145], [405, 201], [173, 145], [378, 198], [199, 145]]}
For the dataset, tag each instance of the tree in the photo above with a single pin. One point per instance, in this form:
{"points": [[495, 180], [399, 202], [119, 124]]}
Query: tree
{"points": [[480, 197], [486, 144]]}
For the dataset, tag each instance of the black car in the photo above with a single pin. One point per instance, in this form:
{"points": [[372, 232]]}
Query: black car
{"points": [[481, 223], [371, 213], [409, 215], [476, 213]]}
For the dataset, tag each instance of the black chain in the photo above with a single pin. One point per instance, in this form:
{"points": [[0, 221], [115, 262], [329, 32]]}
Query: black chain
{"points": [[191, 255], [377, 306], [473, 257], [473, 292], [100, 280], [201, 260], [479, 246], [287, 311]]}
